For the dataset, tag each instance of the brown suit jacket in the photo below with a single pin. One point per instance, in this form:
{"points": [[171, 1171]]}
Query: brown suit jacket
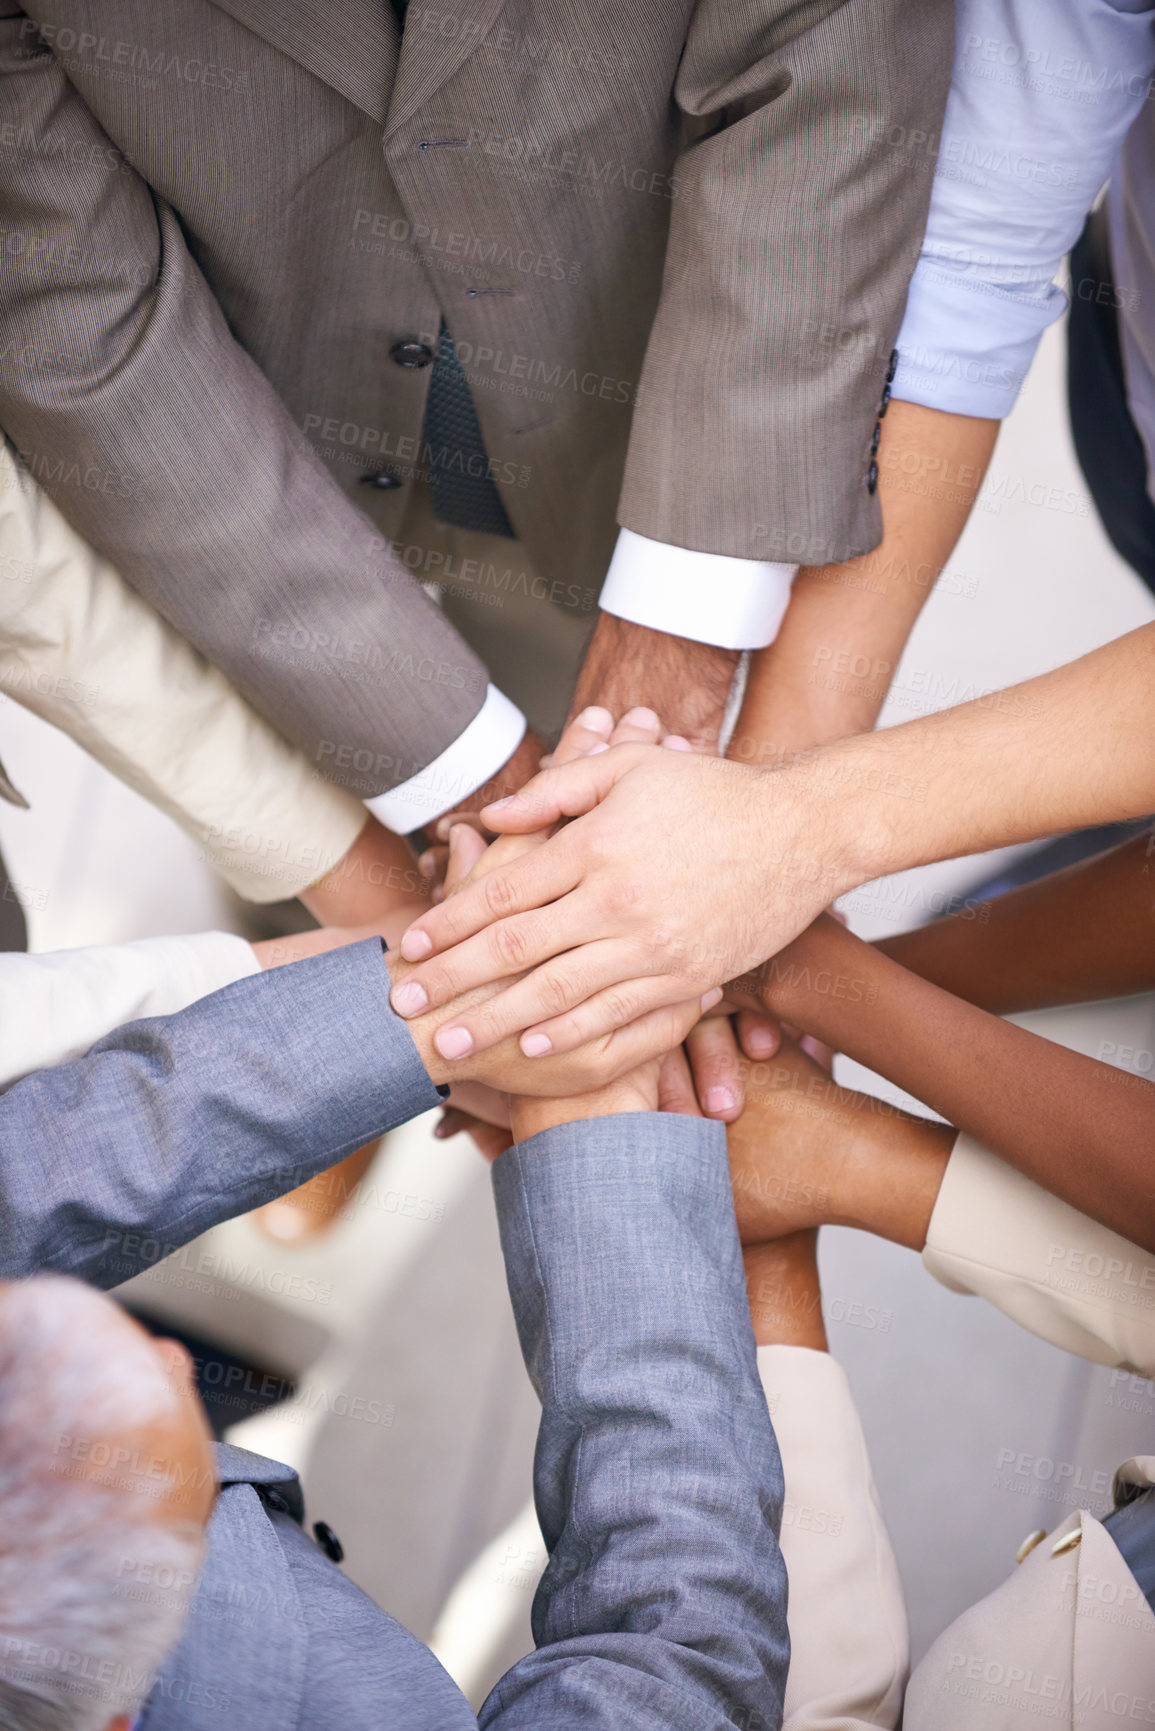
{"points": [[672, 243]]}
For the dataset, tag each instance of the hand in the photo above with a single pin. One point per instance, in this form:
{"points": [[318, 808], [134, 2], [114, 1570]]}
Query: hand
{"points": [[679, 871], [687, 683], [377, 881], [637, 1091], [711, 1046], [807, 1152], [468, 860]]}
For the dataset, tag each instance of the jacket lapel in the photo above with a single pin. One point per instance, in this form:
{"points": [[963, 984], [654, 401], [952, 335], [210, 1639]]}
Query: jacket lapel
{"points": [[349, 44], [429, 58]]}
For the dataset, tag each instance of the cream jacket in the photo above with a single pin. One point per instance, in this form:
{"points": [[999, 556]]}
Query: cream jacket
{"points": [[1068, 1640], [81, 648]]}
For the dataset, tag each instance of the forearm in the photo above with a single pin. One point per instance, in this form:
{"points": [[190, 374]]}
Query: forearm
{"points": [[656, 1473], [827, 673], [376, 883], [685, 683], [1067, 749], [174, 1124], [1073, 937], [1073, 1125]]}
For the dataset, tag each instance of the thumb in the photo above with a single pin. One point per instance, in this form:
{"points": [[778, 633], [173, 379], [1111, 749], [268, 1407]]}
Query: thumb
{"points": [[566, 790]]}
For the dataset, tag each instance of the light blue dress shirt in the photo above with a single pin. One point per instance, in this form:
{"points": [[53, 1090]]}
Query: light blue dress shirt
{"points": [[1042, 96]]}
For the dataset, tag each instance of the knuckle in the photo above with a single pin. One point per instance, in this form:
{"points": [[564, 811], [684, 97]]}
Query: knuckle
{"points": [[499, 893], [557, 992], [619, 1008], [623, 894], [509, 945]]}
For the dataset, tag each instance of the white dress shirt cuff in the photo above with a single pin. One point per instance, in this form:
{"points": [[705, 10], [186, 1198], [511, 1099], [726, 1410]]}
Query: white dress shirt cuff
{"points": [[474, 758], [706, 597]]}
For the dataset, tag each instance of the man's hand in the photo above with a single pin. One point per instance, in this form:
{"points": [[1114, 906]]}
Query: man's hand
{"points": [[636, 1091], [711, 1044], [683, 871], [687, 683]]}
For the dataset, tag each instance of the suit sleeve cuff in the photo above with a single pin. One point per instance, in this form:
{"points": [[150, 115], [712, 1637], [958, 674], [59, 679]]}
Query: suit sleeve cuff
{"points": [[474, 758], [706, 597]]}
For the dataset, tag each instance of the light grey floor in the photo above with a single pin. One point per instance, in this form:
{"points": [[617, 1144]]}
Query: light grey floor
{"points": [[414, 1425]]}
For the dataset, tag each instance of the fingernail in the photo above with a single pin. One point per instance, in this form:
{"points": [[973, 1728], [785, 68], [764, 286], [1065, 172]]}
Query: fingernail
{"points": [[761, 1043], [536, 1045], [409, 999], [416, 945], [427, 865], [597, 719], [675, 742], [501, 804], [444, 825], [709, 999], [594, 749], [720, 1100], [641, 717], [453, 1042]]}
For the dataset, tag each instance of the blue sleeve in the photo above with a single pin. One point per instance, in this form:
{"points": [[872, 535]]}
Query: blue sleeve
{"points": [[1042, 95], [657, 1477], [173, 1124]]}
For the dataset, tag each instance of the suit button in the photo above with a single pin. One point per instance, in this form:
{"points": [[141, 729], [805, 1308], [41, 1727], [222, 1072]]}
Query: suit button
{"points": [[411, 355], [383, 482], [328, 1541], [877, 435], [872, 478], [892, 366]]}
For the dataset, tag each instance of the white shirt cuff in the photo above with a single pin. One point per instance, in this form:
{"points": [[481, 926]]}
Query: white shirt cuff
{"points": [[707, 597], [474, 758]]}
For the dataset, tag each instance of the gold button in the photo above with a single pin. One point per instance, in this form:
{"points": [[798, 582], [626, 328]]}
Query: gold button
{"points": [[1067, 1542], [1029, 1543]]}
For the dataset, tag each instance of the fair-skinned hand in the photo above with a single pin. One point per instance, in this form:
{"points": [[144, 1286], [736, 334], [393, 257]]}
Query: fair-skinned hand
{"points": [[712, 1046], [670, 878]]}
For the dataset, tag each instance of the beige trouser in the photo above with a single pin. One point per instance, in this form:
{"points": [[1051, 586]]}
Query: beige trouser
{"points": [[531, 631], [1063, 1628]]}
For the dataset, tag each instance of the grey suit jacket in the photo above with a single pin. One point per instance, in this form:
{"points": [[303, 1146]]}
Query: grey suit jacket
{"points": [[657, 1480], [175, 1123], [672, 242]]}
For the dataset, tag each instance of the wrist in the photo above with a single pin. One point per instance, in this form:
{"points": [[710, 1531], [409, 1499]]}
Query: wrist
{"points": [[830, 802], [521, 767], [530, 1115], [687, 684]]}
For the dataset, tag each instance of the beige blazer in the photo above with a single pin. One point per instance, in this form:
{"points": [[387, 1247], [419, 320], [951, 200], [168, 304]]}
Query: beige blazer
{"points": [[672, 243], [84, 651], [1068, 1639]]}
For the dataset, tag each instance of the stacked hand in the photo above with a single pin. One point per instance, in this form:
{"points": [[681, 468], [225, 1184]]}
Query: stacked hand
{"points": [[670, 881], [710, 1042]]}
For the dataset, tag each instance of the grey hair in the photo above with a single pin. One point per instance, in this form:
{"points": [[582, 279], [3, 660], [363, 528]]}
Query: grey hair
{"points": [[94, 1589]]}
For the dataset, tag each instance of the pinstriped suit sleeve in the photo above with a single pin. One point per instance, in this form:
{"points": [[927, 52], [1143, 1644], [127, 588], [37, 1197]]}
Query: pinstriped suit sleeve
{"points": [[166, 447], [657, 1478], [172, 1125], [796, 226]]}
